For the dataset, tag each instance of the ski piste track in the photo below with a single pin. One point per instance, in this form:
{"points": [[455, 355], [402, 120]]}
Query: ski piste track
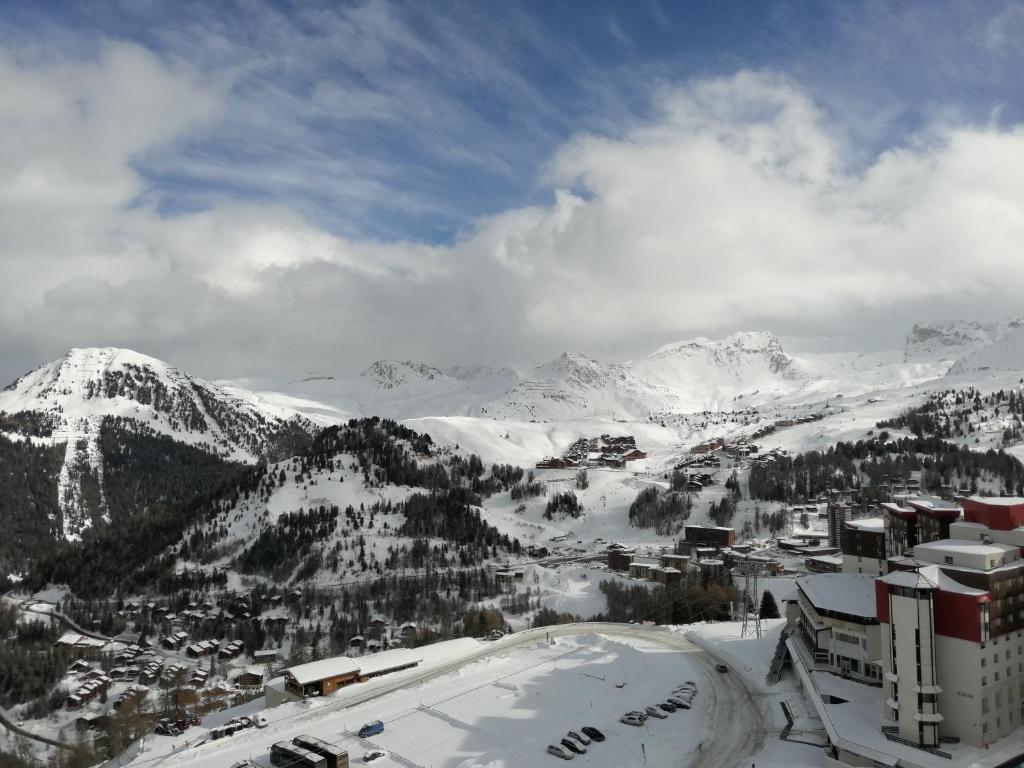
{"points": [[735, 730]]}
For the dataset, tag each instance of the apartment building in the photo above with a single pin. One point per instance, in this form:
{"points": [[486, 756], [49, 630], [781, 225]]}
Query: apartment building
{"points": [[952, 645]]}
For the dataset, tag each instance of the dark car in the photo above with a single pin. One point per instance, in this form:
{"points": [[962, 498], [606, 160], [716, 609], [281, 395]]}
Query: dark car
{"points": [[721, 668], [592, 732], [668, 707], [574, 746]]}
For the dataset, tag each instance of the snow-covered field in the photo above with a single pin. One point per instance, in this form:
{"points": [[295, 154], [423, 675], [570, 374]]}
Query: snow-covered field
{"points": [[503, 710]]}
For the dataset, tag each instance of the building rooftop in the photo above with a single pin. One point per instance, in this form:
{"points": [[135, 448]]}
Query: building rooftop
{"points": [[319, 670], [847, 593], [385, 660], [929, 577], [874, 524], [996, 501], [966, 547]]}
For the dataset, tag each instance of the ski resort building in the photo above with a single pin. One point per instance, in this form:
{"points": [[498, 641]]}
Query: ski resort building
{"points": [[918, 520], [715, 536], [838, 625], [862, 543], [321, 678]]}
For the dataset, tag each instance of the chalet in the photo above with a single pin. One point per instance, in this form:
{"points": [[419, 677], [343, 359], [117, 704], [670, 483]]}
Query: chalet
{"points": [[250, 677], [81, 646], [264, 657], [634, 455], [174, 641], [231, 650], [202, 649], [319, 678], [357, 641]]}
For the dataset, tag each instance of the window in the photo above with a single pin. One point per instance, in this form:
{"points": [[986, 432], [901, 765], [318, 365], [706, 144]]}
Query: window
{"points": [[984, 662], [948, 559]]}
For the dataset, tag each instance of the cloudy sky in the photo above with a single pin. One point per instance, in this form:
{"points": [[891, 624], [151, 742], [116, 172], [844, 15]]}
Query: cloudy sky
{"points": [[249, 188]]}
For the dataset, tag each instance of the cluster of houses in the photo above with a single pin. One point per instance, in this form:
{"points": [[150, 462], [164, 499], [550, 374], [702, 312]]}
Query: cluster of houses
{"points": [[93, 684], [605, 451], [704, 556]]}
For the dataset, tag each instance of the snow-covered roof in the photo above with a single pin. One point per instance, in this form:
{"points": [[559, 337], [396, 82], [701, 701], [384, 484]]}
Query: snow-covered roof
{"points": [[930, 577], [319, 670], [966, 547], [875, 524], [385, 660], [996, 501], [848, 593]]}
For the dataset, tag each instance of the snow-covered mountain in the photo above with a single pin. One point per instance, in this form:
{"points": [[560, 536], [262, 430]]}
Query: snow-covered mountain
{"points": [[734, 372], [66, 402], [933, 342], [1004, 354]]}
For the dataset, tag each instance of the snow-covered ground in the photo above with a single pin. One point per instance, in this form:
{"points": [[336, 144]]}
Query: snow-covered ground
{"points": [[505, 708]]}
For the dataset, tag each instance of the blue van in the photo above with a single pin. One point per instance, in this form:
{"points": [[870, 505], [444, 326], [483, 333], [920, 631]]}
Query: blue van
{"points": [[371, 729]]}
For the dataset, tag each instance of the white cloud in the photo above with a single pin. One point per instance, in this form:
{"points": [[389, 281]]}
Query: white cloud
{"points": [[733, 206]]}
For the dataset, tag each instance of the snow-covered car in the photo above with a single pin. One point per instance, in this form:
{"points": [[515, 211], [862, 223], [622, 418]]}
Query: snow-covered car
{"points": [[574, 746], [373, 755], [592, 732], [681, 703], [579, 737], [557, 751], [666, 707], [641, 716], [628, 720], [655, 712]]}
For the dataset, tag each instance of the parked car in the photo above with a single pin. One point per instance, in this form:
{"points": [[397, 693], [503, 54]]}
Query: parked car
{"points": [[373, 755], [629, 720], [655, 712], [681, 703], [574, 746], [557, 751], [495, 634], [371, 729], [592, 732], [721, 668], [579, 737], [666, 707]]}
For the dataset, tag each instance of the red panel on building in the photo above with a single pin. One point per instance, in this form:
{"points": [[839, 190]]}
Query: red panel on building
{"points": [[999, 517], [958, 615], [882, 602]]}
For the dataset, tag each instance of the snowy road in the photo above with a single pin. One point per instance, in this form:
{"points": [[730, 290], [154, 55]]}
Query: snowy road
{"points": [[733, 731]]}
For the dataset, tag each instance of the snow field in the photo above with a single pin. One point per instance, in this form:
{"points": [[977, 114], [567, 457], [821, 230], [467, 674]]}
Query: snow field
{"points": [[504, 710]]}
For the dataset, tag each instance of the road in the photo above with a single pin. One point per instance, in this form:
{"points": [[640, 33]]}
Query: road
{"points": [[735, 731]]}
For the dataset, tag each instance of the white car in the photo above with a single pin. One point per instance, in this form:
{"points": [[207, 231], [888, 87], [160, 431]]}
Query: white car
{"points": [[558, 751], [374, 755], [629, 720]]}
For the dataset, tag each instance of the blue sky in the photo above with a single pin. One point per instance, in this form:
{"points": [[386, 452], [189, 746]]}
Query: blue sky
{"points": [[463, 182], [411, 120]]}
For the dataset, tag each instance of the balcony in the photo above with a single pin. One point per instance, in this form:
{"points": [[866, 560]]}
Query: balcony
{"points": [[892, 704], [927, 688], [928, 717]]}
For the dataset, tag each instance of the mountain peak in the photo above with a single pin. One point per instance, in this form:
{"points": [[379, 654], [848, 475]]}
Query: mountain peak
{"points": [[390, 374]]}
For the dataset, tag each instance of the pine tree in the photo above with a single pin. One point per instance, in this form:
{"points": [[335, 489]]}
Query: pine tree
{"points": [[769, 608]]}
